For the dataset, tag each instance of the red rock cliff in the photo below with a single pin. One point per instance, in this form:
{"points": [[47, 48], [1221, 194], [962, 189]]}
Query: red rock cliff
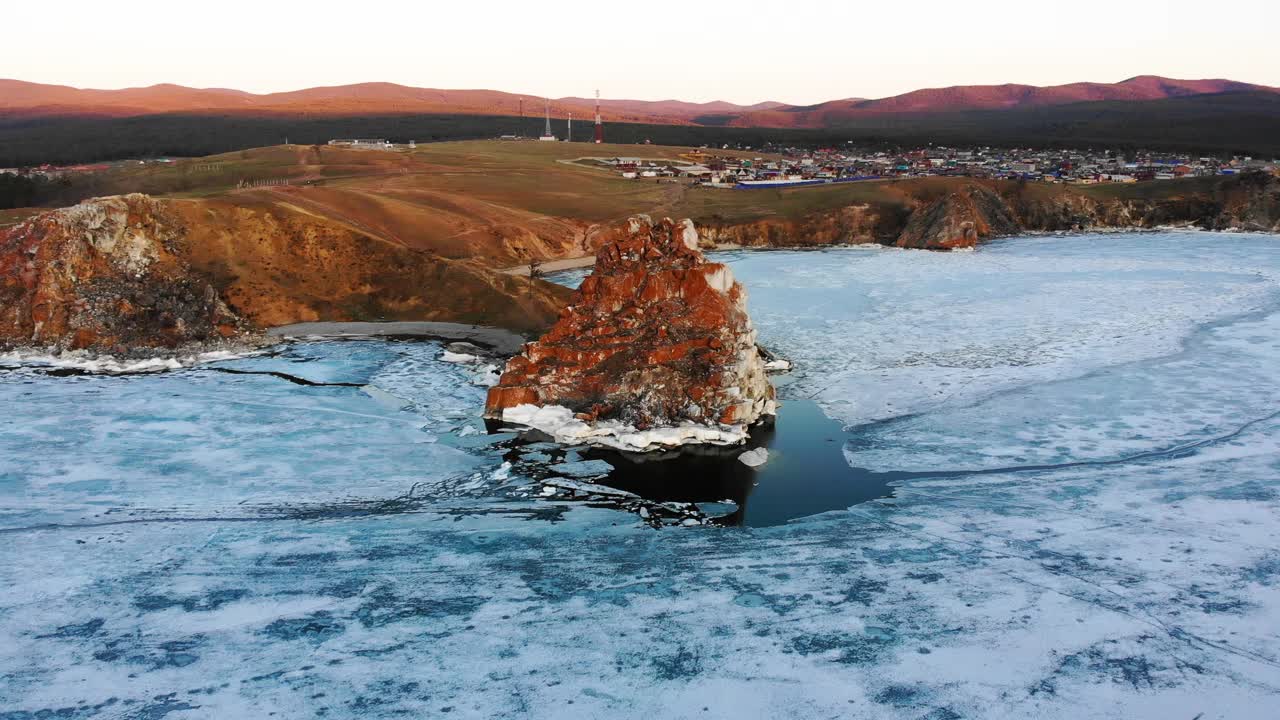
{"points": [[107, 273], [656, 337], [131, 272]]}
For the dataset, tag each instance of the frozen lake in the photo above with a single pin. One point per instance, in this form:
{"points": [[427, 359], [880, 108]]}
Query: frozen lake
{"points": [[1079, 436]]}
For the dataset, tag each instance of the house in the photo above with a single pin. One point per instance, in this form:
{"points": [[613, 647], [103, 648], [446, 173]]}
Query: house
{"points": [[695, 171], [364, 143]]}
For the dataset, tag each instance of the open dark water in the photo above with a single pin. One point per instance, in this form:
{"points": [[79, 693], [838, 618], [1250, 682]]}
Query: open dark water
{"points": [[806, 473]]}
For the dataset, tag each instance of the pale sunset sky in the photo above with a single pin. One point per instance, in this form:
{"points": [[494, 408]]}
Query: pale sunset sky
{"points": [[794, 51]]}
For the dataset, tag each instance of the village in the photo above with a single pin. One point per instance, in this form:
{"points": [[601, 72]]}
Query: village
{"points": [[790, 166], [793, 167]]}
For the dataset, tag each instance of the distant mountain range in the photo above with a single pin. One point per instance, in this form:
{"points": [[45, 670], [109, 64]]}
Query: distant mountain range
{"points": [[24, 99], [988, 97], [62, 125]]}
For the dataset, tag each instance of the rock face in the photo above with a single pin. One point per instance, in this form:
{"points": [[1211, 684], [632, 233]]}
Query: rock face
{"points": [[1251, 203], [855, 224], [656, 349], [958, 221], [129, 273], [104, 274], [956, 213]]}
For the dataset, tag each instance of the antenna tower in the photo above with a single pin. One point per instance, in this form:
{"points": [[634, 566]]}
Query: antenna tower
{"points": [[599, 124]]}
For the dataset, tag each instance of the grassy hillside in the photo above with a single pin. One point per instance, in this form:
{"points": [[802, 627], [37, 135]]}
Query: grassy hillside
{"points": [[505, 203]]}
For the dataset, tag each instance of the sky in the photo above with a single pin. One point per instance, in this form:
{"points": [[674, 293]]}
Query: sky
{"points": [[793, 51]]}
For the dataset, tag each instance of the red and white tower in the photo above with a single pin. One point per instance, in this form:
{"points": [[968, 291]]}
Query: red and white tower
{"points": [[599, 123]]}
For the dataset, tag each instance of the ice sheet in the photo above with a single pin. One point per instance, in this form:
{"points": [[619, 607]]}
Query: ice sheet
{"points": [[405, 584], [199, 442], [876, 336]]}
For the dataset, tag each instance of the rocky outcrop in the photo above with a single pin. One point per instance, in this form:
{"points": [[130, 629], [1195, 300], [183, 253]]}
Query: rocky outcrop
{"points": [[129, 272], [109, 273], [958, 220], [856, 224], [656, 349], [1249, 202]]}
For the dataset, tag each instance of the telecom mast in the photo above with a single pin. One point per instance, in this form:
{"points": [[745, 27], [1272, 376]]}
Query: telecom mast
{"points": [[599, 123], [547, 135]]}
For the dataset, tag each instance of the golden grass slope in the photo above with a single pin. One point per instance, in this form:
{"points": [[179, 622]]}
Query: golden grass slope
{"points": [[503, 204]]}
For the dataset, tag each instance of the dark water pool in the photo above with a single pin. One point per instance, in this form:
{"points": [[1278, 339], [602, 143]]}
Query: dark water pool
{"points": [[806, 473]]}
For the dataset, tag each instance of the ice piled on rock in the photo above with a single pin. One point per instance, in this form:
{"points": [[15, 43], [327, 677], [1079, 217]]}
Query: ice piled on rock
{"points": [[560, 423], [778, 366]]}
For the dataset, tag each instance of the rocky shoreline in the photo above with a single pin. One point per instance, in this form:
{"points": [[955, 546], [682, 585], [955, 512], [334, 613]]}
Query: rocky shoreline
{"points": [[498, 341], [959, 214]]}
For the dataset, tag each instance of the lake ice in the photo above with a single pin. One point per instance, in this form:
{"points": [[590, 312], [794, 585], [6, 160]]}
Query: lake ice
{"points": [[1080, 434]]}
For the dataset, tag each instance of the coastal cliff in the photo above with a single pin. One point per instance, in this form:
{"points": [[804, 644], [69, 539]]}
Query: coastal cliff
{"points": [[956, 213], [108, 273], [959, 220], [851, 225], [656, 349], [126, 272]]}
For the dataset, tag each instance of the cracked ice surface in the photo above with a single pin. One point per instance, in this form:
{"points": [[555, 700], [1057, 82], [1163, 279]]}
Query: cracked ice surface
{"points": [[878, 335], [1147, 588], [199, 442]]}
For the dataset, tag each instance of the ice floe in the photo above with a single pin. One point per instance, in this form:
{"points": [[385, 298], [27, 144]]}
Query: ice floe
{"points": [[754, 458]]}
